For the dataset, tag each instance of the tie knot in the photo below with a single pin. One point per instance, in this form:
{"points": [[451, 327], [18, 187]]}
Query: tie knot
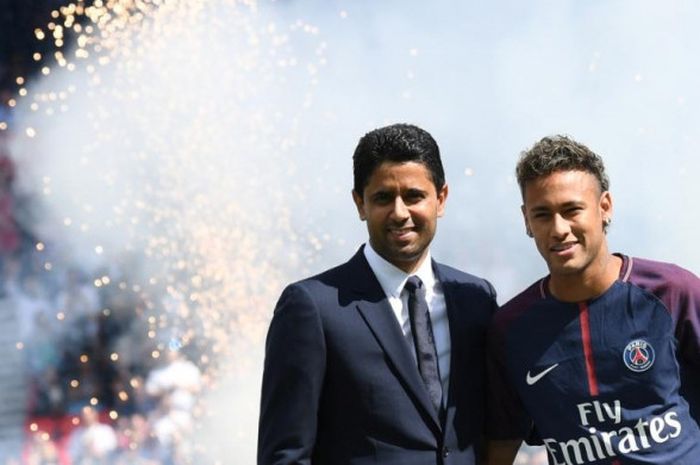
{"points": [[414, 283]]}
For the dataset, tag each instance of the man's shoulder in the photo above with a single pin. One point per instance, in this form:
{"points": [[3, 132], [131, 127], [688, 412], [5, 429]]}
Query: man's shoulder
{"points": [[339, 276], [449, 275], [533, 293], [341, 286], [519, 304], [451, 272], [644, 270], [670, 283]]}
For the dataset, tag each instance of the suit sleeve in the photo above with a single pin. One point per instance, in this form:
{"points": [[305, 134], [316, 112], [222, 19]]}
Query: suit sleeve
{"points": [[687, 315], [294, 369], [494, 298]]}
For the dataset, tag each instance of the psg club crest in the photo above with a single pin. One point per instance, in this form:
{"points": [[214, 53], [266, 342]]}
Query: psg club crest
{"points": [[639, 355]]}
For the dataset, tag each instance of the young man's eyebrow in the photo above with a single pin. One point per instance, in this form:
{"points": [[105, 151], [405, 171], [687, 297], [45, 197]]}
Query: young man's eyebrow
{"points": [[572, 203]]}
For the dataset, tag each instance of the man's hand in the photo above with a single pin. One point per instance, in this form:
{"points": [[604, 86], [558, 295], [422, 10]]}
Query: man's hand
{"points": [[501, 452]]}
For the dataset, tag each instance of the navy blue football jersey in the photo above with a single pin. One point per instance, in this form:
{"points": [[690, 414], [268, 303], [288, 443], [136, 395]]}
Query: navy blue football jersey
{"points": [[613, 380]]}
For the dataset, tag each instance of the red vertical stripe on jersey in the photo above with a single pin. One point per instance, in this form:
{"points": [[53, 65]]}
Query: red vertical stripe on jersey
{"points": [[587, 349]]}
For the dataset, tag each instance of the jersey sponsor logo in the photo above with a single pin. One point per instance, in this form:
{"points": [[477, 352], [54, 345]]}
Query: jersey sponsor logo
{"points": [[638, 355], [530, 379], [609, 435]]}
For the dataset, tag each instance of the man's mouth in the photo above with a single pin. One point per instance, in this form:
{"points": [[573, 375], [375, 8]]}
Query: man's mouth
{"points": [[402, 232], [563, 248]]}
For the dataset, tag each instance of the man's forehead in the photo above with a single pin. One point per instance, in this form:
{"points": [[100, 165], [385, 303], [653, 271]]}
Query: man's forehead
{"points": [[391, 172], [390, 165], [562, 187], [563, 179]]}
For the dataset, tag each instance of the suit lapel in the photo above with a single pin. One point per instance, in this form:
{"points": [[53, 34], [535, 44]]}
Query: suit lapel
{"points": [[377, 313], [457, 341], [455, 337]]}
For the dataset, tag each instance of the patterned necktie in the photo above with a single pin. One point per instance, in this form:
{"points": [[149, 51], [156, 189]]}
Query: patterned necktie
{"points": [[426, 354]]}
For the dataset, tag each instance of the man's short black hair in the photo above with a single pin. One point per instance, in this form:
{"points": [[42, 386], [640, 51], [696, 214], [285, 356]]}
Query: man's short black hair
{"points": [[396, 143]]}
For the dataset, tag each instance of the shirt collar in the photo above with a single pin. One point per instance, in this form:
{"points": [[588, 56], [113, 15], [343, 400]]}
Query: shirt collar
{"points": [[393, 279]]}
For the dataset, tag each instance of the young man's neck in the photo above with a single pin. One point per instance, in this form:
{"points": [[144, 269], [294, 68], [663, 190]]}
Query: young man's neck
{"points": [[590, 283]]}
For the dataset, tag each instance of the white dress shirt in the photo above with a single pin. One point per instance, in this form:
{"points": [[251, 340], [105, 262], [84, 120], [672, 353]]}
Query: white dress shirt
{"points": [[392, 281]]}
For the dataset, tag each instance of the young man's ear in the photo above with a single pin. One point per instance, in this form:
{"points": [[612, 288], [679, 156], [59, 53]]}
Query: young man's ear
{"points": [[360, 204], [606, 209], [606, 204], [528, 230]]}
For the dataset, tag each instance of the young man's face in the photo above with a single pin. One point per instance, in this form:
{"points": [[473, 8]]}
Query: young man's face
{"points": [[401, 207], [565, 212]]}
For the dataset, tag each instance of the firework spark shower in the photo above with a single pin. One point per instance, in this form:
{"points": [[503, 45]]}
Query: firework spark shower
{"points": [[163, 139], [157, 142]]}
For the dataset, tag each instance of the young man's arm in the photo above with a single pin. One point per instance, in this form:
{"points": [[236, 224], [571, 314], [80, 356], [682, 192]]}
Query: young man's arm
{"points": [[688, 335], [502, 452], [507, 421]]}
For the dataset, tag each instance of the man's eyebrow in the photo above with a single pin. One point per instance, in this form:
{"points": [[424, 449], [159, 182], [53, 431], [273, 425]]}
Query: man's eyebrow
{"points": [[569, 204], [380, 191], [573, 203]]}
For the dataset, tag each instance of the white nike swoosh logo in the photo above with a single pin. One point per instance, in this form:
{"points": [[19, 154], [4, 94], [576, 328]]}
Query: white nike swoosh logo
{"points": [[530, 380]]}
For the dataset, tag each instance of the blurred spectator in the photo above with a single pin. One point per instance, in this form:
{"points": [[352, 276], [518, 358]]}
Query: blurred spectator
{"points": [[130, 395], [32, 304], [79, 302], [137, 443], [48, 393], [176, 385], [9, 232], [179, 379], [42, 450], [172, 427], [11, 276], [93, 442]]}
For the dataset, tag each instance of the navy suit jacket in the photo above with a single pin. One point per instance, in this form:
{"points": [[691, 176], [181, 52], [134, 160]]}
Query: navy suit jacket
{"points": [[340, 385]]}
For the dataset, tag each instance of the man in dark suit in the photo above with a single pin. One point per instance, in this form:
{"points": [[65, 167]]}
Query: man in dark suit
{"points": [[381, 359]]}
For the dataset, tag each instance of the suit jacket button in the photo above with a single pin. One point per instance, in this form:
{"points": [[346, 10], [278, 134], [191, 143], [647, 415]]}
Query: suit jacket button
{"points": [[445, 452]]}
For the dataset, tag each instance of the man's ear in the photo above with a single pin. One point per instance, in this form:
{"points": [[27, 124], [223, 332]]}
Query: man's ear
{"points": [[606, 205], [442, 199], [360, 204], [528, 230]]}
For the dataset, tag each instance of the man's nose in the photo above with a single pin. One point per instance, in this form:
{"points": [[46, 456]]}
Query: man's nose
{"points": [[400, 210], [560, 226]]}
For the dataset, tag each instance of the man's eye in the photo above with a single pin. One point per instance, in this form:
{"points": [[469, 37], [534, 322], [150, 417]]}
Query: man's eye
{"points": [[414, 196]]}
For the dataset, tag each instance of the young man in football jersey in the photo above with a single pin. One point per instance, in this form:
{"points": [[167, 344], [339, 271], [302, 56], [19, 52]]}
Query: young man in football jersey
{"points": [[599, 360]]}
